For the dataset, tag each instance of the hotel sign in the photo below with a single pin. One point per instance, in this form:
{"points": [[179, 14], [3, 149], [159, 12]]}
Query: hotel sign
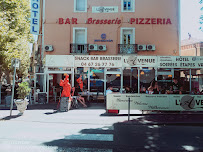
{"points": [[35, 12], [180, 62], [104, 9]]}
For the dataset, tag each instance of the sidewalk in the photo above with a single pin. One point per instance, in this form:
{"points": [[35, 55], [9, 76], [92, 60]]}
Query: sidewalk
{"points": [[88, 129]]}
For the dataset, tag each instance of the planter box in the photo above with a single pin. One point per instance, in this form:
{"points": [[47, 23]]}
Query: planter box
{"points": [[21, 105]]}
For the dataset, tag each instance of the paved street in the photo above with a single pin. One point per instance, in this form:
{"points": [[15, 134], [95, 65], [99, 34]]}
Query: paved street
{"points": [[89, 129]]}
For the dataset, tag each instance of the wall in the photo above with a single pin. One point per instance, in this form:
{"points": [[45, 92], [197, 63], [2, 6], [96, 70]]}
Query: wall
{"points": [[190, 50], [165, 37]]}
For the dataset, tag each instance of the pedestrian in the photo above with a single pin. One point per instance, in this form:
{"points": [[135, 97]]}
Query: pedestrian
{"points": [[66, 89], [80, 82]]}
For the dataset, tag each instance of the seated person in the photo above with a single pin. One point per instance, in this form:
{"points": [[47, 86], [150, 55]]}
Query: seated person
{"points": [[150, 90], [109, 90], [196, 91], [135, 88], [175, 88], [143, 90], [128, 90], [155, 87], [78, 96]]}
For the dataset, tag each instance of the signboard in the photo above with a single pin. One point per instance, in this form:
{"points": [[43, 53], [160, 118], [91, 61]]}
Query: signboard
{"points": [[15, 63], [97, 61], [104, 9], [180, 62], [139, 61], [188, 62], [59, 61], [114, 21], [35, 12], [103, 39], [155, 102]]}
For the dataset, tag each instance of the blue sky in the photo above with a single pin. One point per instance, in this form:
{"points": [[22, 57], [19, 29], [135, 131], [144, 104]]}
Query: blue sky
{"points": [[190, 13]]}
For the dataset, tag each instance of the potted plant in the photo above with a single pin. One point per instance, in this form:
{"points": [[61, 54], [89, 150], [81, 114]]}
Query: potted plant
{"points": [[23, 91]]}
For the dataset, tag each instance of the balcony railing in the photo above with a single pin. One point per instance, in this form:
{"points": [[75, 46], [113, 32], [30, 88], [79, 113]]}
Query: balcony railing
{"points": [[79, 48], [127, 48]]}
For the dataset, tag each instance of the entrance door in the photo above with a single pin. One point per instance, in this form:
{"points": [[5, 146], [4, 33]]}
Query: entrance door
{"points": [[53, 83], [80, 40], [40, 92]]}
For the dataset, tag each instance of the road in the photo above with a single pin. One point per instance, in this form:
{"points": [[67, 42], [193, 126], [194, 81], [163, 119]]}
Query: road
{"points": [[89, 129]]}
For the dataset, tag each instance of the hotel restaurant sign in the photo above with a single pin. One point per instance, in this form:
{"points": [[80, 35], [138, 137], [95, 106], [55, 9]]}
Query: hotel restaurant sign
{"points": [[162, 102], [124, 61], [35, 14], [104, 9]]}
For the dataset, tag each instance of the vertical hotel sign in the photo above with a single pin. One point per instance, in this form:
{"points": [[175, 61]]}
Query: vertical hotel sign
{"points": [[35, 12]]}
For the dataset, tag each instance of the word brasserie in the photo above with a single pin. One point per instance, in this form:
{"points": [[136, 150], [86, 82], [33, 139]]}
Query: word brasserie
{"points": [[161, 21]]}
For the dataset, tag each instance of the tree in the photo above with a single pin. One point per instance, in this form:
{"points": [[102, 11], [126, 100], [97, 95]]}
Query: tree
{"points": [[14, 35], [201, 17]]}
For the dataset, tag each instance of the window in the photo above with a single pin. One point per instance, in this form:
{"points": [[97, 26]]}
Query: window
{"points": [[79, 40], [127, 41], [127, 36], [80, 35], [128, 5], [80, 5]]}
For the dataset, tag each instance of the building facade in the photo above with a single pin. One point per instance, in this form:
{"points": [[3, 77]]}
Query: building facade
{"points": [[191, 47], [112, 27], [110, 30], [194, 47]]}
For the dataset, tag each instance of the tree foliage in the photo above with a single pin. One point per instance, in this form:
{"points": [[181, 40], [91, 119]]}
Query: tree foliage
{"points": [[23, 90], [14, 34], [201, 17]]}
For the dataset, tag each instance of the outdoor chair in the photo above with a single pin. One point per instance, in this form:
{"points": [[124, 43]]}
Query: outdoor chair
{"points": [[100, 96], [56, 91], [74, 102]]}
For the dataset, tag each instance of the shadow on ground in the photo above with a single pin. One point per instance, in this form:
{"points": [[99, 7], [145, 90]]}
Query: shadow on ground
{"points": [[10, 117], [148, 133]]}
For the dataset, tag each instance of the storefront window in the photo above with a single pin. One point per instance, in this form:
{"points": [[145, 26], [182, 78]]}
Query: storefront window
{"points": [[147, 78], [164, 79], [97, 79], [81, 78], [130, 80], [182, 76], [114, 80], [197, 83]]}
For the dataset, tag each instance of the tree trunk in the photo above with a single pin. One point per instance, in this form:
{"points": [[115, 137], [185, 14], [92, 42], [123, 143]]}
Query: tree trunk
{"points": [[8, 77]]}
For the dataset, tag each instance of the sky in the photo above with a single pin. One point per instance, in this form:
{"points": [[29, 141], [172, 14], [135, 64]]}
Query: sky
{"points": [[190, 13]]}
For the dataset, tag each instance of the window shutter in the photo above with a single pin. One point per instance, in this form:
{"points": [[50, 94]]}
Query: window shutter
{"points": [[80, 5]]}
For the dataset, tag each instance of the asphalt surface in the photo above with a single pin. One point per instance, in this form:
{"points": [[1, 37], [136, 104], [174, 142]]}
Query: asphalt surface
{"points": [[91, 130]]}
